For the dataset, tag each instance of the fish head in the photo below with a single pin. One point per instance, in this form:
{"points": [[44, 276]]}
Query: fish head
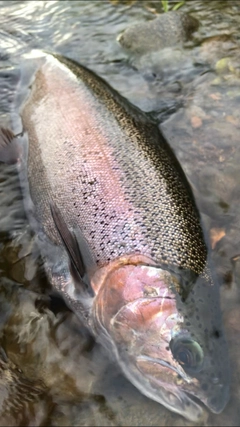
{"points": [[171, 348]]}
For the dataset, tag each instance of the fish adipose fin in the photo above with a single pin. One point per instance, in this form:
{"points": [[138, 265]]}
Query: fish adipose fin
{"points": [[10, 149], [79, 254]]}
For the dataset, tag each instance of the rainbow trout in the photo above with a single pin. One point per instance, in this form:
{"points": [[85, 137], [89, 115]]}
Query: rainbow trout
{"points": [[120, 235]]}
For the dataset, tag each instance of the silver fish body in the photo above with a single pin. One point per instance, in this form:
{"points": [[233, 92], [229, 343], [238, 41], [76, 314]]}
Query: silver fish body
{"points": [[115, 181]]}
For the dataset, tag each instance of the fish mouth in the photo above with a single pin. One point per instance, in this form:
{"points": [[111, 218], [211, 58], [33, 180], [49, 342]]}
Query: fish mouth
{"points": [[187, 402], [217, 403], [170, 395]]}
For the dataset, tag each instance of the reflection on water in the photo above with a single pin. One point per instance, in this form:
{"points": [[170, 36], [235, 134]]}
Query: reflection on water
{"points": [[52, 373]]}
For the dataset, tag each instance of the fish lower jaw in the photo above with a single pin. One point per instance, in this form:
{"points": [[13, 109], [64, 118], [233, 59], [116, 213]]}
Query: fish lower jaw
{"points": [[168, 395]]}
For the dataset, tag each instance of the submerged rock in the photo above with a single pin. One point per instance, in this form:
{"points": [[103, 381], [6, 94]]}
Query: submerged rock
{"points": [[155, 49], [166, 30]]}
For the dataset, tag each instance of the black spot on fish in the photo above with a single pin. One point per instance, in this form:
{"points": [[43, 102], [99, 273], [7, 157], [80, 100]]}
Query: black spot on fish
{"points": [[216, 333], [228, 278]]}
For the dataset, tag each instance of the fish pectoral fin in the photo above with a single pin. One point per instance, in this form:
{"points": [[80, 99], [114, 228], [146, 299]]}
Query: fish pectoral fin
{"points": [[88, 259], [10, 149], [80, 258]]}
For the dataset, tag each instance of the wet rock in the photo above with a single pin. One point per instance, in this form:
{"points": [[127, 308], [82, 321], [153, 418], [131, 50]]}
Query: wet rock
{"points": [[168, 29], [222, 65], [156, 50], [216, 234], [168, 66], [229, 65], [216, 48], [196, 121], [169, 75]]}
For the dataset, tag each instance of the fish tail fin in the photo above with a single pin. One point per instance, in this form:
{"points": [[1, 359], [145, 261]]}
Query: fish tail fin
{"points": [[10, 149]]}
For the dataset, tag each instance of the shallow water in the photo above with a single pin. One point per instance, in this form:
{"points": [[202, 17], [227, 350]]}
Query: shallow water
{"points": [[52, 371]]}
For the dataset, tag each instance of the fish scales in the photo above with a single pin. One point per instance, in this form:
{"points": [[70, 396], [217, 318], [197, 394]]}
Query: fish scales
{"points": [[108, 169]]}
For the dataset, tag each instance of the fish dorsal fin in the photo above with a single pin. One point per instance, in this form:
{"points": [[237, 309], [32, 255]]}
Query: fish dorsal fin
{"points": [[79, 260], [10, 150]]}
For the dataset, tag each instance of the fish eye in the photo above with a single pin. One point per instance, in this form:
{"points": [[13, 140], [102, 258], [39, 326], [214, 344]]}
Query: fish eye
{"points": [[188, 354]]}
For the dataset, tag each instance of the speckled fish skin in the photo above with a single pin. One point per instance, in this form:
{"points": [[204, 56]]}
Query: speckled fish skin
{"points": [[110, 172]]}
